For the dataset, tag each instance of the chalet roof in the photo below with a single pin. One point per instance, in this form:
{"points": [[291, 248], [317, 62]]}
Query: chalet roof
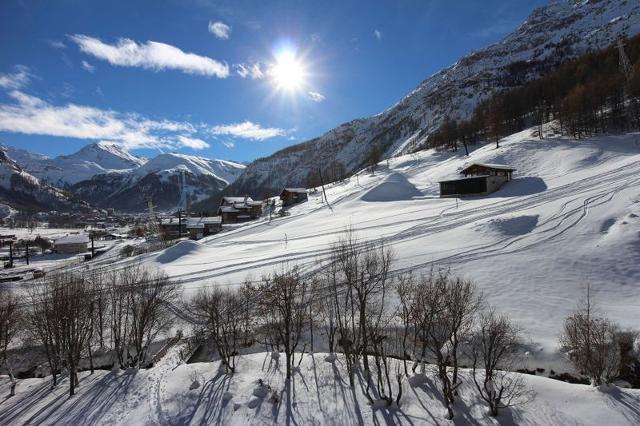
{"points": [[231, 200], [490, 166], [201, 222], [72, 239], [294, 190], [228, 209], [465, 179], [171, 221]]}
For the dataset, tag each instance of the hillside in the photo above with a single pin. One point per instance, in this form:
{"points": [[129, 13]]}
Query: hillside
{"points": [[552, 34], [65, 170], [584, 195], [177, 393], [170, 180], [20, 190]]}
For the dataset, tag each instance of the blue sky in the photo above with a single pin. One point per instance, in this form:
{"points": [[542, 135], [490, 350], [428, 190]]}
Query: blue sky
{"points": [[214, 78]]}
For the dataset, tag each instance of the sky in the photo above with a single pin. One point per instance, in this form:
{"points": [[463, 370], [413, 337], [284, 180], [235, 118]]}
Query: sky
{"points": [[234, 79]]}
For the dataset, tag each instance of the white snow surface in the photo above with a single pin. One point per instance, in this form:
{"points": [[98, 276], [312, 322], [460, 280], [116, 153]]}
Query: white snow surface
{"points": [[170, 163], [570, 216], [319, 394]]}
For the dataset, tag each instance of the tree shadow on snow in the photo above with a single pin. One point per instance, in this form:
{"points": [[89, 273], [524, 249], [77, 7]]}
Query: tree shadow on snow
{"points": [[211, 401]]}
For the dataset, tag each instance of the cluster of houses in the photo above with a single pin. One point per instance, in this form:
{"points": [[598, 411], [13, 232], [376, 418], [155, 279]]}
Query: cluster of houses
{"points": [[231, 210]]}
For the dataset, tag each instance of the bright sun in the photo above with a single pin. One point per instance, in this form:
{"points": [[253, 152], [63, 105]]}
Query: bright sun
{"points": [[288, 73]]}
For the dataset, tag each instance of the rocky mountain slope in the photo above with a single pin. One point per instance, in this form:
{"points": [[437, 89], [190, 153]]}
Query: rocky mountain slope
{"points": [[562, 30], [169, 180], [66, 170], [23, 191]]}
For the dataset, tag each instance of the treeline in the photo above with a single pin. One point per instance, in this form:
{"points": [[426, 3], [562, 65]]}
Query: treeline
{"points": [[593, 94], [387, 327]]}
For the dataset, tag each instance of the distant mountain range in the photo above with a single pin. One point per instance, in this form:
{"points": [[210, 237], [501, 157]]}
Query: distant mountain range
{"points": [[557, 32], [107, 175]]}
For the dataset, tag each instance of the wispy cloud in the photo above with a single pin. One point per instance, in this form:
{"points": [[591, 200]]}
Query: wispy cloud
{"points": [[87, 66], [34, 116], [247, 130], [228, 144], [17, 79], [220, 30], [150, 55], [193, 143], [377, 34], [316, 96], [57, 44], [249, 70]]}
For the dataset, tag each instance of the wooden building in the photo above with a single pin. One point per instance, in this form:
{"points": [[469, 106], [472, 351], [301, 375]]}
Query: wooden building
{"points": [[172, 227], [71, 244], [480, 179], [239, 209], [200, 227], [291, 196]]}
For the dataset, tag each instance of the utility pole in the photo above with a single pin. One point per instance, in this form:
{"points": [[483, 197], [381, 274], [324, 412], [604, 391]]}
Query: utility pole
{"points": [[27, 252], [323, 191], [625, 64], [179, 223], [10, 254], [93, 250]]}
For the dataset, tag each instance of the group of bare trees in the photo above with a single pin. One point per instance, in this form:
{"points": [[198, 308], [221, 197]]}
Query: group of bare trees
{"points": [[71, 315], [440, 319]]}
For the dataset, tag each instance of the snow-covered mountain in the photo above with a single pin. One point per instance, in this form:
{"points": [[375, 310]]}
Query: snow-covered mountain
{"points": [[168, 180], [106, 175], [65, 170], [23, 191], [554, 33]]}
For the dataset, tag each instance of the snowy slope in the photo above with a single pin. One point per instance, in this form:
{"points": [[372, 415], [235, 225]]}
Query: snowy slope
{"points": [[571, 216], [170, 180], [20, 190], [223, 170], [319, 394], [97, 158], [554, 33]]}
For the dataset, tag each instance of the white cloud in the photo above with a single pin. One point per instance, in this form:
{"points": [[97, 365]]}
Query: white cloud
{"points": [[150, 55], [253, 70], [15, 80], [377, 34], [57, 44], [220, 30], [247, 130], [193, 143], [316, 96], [34, 116], [228, 144], [87, 66]]}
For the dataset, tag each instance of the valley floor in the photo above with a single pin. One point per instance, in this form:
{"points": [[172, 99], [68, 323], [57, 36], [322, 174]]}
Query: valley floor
{"points": [[178, 393]]}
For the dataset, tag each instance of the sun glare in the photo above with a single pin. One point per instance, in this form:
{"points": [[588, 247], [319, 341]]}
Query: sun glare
{"points": [[288, 73]]}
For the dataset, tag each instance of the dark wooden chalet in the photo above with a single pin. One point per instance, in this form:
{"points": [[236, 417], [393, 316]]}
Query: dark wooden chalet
{"points": [[239, 209], [291, 196], [480, 179]]}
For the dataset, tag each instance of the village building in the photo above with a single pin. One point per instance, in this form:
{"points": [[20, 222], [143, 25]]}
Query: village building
{"points": [[239, 209], [200, 227], [173, 227], [71, 244], [480, 179], [291, 196]]}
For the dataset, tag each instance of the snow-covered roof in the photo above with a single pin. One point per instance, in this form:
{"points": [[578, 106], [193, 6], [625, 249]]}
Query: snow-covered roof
{"points": [[491, 166], [200, 222], [170, 221], [460, 179], [228, 209], [72, 239], [297, 190], [231, 200]]}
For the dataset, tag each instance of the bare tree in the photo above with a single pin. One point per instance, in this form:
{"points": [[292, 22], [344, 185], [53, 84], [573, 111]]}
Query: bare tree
{"points": [[220, 310], [493, 351], [442, 308], [41, 326], [590, 341], [10, 318], [284, 299], [149, 294]]}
